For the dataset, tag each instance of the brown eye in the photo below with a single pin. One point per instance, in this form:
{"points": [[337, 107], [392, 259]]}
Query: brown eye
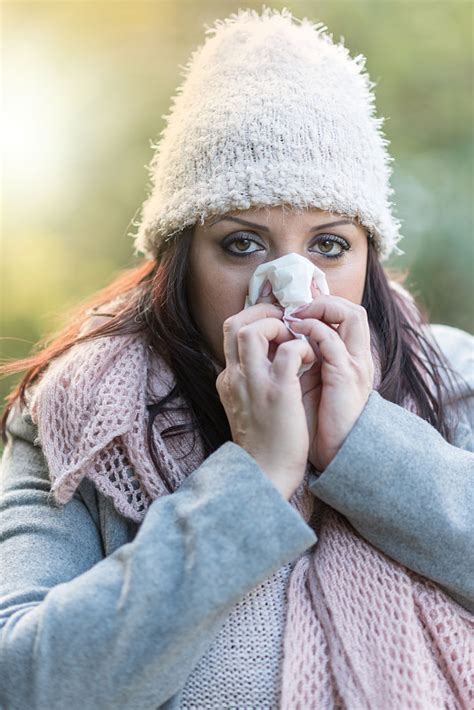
{"points": [[240, 245], [326, 245], [243, 241]]}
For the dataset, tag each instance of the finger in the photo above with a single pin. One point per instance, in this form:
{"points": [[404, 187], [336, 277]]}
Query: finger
{"points": [[253, 341], [350, 318], [289, 357], [325, 340], [232, 325]]}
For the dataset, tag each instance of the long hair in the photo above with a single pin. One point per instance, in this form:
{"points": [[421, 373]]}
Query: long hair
{"points": [[151, 298]]}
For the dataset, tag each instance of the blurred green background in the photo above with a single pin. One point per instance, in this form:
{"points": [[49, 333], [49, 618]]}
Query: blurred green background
{"points": [[85, 84]]}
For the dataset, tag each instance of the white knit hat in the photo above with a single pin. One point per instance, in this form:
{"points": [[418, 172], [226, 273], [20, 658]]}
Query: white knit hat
{"points": [[271, 112]]}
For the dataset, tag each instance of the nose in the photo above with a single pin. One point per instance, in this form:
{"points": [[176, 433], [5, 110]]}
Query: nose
{"points": [[266, 294], [285, 247]]}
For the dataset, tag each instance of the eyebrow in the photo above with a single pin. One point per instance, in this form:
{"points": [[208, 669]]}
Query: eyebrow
{"points": [[266, 229]]}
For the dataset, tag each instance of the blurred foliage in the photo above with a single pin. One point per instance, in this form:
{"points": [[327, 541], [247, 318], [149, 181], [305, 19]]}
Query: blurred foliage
{"points": [[85, 85]]}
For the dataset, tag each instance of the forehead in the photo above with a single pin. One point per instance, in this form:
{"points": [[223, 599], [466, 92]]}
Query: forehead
{"points": [[273, 212], [284, 216]]}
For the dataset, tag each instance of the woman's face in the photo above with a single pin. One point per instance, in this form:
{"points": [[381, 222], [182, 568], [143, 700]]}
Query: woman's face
{"points": [[226, 250]]}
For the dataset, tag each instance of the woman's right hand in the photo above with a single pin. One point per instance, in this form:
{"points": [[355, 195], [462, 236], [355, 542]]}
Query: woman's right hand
{"points": [[262, 397]]}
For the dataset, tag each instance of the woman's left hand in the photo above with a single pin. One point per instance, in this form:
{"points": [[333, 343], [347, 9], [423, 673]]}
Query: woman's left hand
{"points": [[337, 387]]}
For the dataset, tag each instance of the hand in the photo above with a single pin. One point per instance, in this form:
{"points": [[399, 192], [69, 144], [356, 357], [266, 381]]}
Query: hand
{"points": [[338, 385], [262, 398]]}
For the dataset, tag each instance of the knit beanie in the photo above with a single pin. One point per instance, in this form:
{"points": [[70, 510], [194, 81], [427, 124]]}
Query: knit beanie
{"points": [[271, 112]]}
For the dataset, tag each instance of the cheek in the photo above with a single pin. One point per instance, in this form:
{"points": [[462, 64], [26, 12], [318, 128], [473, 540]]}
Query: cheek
{"points": [[348, 281], [213, 297]]}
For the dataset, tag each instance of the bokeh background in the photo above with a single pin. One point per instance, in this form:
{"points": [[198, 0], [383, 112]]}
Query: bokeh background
{"points": [[84, 88]]}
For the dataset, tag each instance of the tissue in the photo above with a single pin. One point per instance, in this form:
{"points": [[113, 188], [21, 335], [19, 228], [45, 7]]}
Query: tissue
{"points": [[290, 276]]}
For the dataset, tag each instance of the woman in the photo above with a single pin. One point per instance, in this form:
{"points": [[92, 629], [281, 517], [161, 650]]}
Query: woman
{"points": [[185, 521]]}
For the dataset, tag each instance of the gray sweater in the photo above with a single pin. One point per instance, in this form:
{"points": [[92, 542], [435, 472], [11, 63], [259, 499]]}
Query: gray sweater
{"points": [[99, 613]]}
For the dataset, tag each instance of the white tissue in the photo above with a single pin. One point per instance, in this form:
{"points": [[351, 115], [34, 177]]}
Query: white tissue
{"points": [[290, 276]]}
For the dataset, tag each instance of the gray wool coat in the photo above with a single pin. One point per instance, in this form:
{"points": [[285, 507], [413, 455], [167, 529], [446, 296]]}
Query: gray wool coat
{"points": [[99, 613]]}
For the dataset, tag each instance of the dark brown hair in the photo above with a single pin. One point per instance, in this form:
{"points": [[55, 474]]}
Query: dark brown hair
{"points": [[152, 299]]}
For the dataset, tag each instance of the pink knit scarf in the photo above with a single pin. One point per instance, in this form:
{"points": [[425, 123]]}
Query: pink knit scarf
{"points": [[363, 632]]}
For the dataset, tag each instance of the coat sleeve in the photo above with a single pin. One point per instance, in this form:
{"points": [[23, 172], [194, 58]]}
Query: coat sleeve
{"points": [[406, 490], [80, 630]]}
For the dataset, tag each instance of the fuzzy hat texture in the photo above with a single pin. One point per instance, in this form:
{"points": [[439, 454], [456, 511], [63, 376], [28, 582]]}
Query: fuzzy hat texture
{"points": [[271, 112]]}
